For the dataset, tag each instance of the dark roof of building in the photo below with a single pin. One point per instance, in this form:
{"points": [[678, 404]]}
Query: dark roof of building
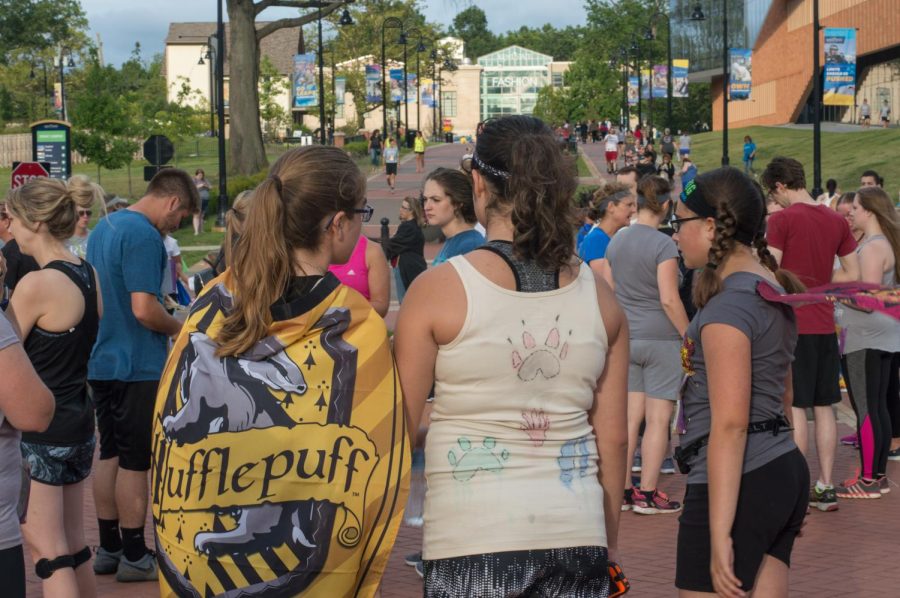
{"points": [[279, 46]]}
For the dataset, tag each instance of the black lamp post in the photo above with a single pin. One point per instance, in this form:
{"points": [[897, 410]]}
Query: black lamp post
{"points": [[220, 113], [388, 22], [420, 47], [404, 41], [817, 106], [210, 55], [636, 50], [62, 80], [697, 15], [434, 100], [651, 34], [345, 20]]}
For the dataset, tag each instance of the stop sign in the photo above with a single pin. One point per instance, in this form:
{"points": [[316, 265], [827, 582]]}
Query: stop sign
{"points": [[25, 171]]}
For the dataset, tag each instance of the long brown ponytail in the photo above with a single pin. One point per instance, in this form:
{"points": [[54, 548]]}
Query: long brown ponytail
{"points": [[304, 186]]}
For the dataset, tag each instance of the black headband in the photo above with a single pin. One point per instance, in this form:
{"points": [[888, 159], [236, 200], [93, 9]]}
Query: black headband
{"points": [[693, 199]]}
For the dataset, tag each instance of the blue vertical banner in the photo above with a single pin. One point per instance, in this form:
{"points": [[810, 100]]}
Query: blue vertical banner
{"points": [[741, 70], [839, 88], [373, 83], [680, 77], [395, 82], [632, 91], [660, 81], [412, 85], [305, 89], [645, 84], [428, 91]]}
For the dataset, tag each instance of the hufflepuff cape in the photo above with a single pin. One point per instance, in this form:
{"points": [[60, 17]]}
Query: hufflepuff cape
{"points": [[282, 472]]}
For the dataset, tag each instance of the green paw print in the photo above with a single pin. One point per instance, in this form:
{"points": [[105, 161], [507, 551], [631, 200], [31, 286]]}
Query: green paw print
{"points": [[475, 459]]}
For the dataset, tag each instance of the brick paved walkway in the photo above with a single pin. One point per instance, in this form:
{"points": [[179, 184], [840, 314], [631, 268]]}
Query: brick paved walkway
{"points": [[849, 552]]}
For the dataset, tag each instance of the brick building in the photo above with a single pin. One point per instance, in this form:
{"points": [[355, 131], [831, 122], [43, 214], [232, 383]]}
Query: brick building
{"points": [[780, 33]]}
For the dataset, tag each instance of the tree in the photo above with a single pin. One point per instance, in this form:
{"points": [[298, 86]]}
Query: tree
{"points": [[471, 26], [556, 105], [561, 44], [246, 150], [272, 86], [33, 26]]}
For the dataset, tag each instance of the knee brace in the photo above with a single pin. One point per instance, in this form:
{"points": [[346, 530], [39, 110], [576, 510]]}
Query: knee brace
{"points": [[44, 568], [81, 557]]}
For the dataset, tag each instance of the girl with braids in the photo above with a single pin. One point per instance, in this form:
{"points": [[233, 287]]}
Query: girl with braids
{"points": [[747, 481], [528, 353], [644, 264], [56, 311], [276, 363], [869, 340]]}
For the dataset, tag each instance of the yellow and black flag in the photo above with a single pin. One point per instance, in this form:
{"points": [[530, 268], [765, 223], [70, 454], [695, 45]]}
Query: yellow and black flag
{"points": [[284, 471]]}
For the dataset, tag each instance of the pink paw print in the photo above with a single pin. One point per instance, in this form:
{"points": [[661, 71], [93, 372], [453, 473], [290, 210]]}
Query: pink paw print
{"points": [[536, 425]]}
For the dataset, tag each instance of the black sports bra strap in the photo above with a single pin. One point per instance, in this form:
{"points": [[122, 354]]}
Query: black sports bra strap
{"points": [[509, 262], [77, 273]]}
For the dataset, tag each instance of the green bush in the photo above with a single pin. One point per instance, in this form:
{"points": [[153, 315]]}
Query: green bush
{"points": [[241, 183], [357, 148]]}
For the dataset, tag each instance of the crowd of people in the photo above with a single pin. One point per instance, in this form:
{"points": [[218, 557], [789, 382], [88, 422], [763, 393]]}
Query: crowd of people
{"points": [[549, 353]]}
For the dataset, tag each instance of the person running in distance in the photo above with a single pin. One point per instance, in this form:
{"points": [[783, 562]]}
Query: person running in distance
{"points": [[747, 484], [419, 150], [391, 158]]}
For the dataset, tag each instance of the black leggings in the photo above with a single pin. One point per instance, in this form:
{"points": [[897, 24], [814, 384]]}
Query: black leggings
{"points": [[12, 571], [893, 398], [867, 373]]}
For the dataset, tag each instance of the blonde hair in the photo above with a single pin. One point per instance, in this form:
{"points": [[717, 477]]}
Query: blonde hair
{"points": [[53, 203], [877, 201], [234, 222]]}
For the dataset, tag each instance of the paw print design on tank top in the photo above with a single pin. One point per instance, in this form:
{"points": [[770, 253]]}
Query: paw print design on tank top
{"points": [[543, 360]]}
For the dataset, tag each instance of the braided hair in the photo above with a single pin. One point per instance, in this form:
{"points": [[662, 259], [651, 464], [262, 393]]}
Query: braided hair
{"points": [[740, 213]]}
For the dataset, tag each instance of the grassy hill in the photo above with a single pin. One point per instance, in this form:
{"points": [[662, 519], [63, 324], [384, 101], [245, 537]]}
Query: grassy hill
{"points": [[844, 155]]}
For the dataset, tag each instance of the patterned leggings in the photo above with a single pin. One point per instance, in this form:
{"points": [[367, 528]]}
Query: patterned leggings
{"points": [[577, 572]]}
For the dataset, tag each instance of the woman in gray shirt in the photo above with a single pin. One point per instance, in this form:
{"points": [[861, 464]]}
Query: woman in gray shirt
{"points": [[644, 264], [748, 483]]}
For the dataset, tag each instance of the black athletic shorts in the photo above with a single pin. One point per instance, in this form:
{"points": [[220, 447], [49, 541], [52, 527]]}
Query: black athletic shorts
{"points": [[12, 571], [390, 168], [577, 572], [770, 510], [816, 371], [125, 420]]}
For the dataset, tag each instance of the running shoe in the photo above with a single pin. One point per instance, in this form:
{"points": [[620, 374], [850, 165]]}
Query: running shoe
{"points": [[894, 455], [420, 569], [654, 502], [858, 488], [824, 500], [636, 464], [413, 559], [106, 562], [668, 466], [851, 440], [628, 500], [884, 484], [143, 569]]}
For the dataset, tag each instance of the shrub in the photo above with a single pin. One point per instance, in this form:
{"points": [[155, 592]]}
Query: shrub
{"points": [[357, 148]]}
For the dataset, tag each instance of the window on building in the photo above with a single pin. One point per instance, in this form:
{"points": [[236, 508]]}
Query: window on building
{"points": [[558, 80], [448, 102]]}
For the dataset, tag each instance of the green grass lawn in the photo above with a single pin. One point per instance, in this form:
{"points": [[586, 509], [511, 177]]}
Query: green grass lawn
{"points": [[583, 167], [844, 155]]}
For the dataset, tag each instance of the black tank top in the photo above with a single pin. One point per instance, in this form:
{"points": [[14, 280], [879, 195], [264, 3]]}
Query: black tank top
{"points": [[61, 358]]}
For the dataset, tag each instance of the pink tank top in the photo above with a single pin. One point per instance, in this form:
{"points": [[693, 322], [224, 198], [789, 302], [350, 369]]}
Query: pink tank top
{"points": [[354, 273]]}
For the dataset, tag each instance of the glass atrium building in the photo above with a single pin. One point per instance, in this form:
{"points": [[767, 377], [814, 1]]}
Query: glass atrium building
{"points": [[511, 79]]}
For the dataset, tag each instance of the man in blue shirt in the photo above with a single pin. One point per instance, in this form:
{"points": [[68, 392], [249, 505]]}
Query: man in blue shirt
{"points": [[127, 361]]}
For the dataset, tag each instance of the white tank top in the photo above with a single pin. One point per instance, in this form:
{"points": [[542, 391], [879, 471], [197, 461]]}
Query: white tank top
{"points": [[511, 458]]}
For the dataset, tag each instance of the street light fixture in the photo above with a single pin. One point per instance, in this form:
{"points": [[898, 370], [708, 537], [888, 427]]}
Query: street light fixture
{"points": [[697, 15], [62, 79], [636, 50], [396, 23]]}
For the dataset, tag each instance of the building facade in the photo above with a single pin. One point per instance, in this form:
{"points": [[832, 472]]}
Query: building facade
{"points": [[780, 34]]}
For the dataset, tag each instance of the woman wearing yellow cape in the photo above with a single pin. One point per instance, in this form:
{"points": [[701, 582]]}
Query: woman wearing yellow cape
{"points": [[281, 453]]}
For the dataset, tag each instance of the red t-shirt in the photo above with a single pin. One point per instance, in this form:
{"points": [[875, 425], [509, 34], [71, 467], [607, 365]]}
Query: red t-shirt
{"points": [[809, 237]]}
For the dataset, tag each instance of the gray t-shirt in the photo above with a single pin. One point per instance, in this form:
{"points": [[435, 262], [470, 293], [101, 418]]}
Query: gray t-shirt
{"points": [[634, 255], [391, 154], [10, 463], [772, 330]]}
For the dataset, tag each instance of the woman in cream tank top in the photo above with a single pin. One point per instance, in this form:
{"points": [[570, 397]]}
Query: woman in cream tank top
{"points": [[528, 354]]}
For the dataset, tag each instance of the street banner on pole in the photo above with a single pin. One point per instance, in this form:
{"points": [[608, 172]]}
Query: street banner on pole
{"points": [[660, 81], [428, 91], [741, 73], [412, 84], [839, 88], [306, 90], [373, 83], [680, 77], [396, 83], [340, 88], [632, 91], [645, 84]]}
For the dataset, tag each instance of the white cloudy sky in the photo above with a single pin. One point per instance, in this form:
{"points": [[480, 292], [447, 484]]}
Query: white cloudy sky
{"points": [[122, 22]]}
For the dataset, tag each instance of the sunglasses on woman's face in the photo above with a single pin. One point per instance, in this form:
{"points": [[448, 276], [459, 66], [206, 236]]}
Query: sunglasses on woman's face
{"points": [[83, 213]]}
